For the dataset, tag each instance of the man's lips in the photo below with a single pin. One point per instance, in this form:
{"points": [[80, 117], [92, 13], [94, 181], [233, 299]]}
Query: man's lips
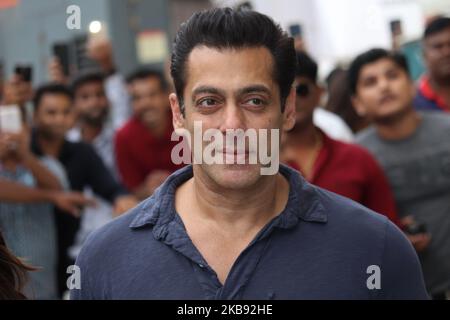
{"points": [[234, 152], [387, 99]]}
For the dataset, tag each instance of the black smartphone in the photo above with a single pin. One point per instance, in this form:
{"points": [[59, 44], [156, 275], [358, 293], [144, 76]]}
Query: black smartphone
{"points": [[25, 72], [415, 228], [61, 51]]}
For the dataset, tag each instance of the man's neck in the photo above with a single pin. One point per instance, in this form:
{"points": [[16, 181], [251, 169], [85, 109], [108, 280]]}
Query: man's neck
{"points": [[89, 133], [50, 147], [158, 131], [442, 88], [400, 127], [237, 210], [304, 136]]}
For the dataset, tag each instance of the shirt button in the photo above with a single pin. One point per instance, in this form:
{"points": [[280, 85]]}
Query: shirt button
{"points": [[201, 265]]}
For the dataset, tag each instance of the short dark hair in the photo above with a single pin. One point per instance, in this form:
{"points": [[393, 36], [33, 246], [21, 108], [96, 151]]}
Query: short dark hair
{"points": [[87, 77], [436, 25], [51, 88], [369, 57], [224, 28], [144, 73], [306, 67]]}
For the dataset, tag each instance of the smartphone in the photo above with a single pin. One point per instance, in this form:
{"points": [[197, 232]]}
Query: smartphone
{"points": [[415, 228], [296, 30], [396, 27], [10, 119], [61, 51], [25, 72]]}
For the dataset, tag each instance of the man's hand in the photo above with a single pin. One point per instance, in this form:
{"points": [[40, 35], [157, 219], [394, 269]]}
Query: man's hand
{"points": [[55, 71], [123, 204], [71, 202], [5, 145], [22, 140], [16, 91], [16, 143], [419, 241]]}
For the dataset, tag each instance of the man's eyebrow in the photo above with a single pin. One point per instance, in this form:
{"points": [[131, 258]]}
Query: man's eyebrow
{"points": [[207, 89], [253, 89]]}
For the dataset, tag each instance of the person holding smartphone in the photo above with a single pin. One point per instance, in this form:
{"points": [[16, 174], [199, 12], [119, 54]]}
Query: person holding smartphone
{"points": [[413, 148], [27, 191]]}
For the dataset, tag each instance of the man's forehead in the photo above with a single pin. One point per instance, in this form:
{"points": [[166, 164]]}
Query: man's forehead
{"points": [[229, 67], [443, 35], [91, 85], [379, 66], [55, 101]]}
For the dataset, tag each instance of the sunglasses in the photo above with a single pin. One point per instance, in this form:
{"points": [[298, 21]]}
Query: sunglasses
{"points": [[302, 90]]}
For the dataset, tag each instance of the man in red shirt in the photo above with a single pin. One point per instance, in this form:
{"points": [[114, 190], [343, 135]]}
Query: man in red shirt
{"points": [[346, 169], [143, 145], [433, 92]]}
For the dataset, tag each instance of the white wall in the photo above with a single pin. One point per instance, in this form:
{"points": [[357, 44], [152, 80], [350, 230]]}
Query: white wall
{"points": [[337, 30]]}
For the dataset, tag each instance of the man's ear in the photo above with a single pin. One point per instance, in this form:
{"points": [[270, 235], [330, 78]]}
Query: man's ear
{"points": [[177, 116], [289, 111], [358, 106]]}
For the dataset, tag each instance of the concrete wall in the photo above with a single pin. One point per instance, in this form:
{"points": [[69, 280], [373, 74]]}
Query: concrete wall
{"points": [[28, 30]]}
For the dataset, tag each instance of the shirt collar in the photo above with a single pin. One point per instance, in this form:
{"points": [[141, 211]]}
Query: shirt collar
{"points": [[159, 210], [428, 92]]}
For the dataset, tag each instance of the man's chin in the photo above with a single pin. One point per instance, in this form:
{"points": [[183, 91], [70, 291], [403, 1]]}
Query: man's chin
{"points": [[235, 176], [389, 114]]}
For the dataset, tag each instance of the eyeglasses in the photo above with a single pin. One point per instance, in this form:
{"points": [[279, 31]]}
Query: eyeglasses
{"points": [[302, 90]]}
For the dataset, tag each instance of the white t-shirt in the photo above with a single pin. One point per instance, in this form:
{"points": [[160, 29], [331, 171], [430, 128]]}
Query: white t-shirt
{"points": [[333, 125]]}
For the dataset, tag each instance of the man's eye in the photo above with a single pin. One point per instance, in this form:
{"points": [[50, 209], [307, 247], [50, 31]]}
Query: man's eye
{"points": [[207, 102], [255, 102], [369, 82], [392, 75]]}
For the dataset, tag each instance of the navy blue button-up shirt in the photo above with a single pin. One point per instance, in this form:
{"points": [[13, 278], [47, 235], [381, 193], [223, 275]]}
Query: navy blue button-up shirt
{"points": [[322, 246]]}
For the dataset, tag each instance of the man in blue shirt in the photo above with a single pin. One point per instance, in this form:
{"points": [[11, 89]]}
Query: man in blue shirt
{"points": [[227, 231]]}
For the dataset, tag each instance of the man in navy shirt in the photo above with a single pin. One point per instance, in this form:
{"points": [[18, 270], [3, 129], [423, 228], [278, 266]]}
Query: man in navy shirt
{"points": [[228, 231]]}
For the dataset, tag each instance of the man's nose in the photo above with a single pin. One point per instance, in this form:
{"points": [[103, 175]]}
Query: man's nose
{"points": [[233, 118], [59, 117], [383, 83]]}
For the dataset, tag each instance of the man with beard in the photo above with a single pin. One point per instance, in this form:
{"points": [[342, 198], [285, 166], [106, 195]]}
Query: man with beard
{"points": [[434, 87], [344, 168], [143, 145], [92, 110], [84, 168]]}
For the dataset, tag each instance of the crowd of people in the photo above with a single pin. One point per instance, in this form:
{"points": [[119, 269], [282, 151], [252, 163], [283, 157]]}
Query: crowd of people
{"points": [[93, 146]]}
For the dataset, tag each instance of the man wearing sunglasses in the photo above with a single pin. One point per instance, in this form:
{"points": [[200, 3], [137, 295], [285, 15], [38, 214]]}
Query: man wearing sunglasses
{"points": [[343, 168]]}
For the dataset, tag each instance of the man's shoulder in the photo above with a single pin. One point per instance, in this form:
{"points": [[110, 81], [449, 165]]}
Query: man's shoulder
{"points": [[367, 136], [346, 214], [356, 152], [106, 240], [129, 129], [79, 148], [437, 119]]}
